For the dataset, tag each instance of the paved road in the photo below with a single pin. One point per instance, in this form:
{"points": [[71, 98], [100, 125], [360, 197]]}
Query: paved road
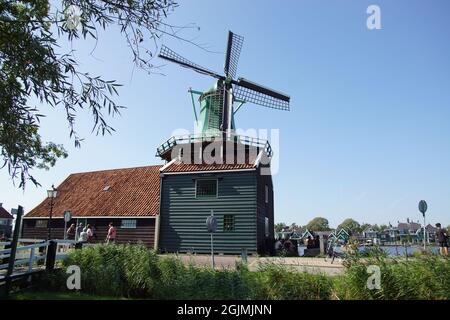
{"points": [[312, 265]]}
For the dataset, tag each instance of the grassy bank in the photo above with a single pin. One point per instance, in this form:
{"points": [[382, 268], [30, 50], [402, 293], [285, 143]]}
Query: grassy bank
{"points": [[132, 271]]}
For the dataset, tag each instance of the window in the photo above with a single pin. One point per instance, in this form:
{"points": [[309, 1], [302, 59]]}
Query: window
{"points": [[266, 225], [41, 223], [267, 194], [206, 188], [3, 222], [228, 222], [128, 224]]}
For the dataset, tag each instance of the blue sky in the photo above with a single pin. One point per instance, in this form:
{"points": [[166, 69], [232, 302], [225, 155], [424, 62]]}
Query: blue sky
{"points": [[368, 133]]}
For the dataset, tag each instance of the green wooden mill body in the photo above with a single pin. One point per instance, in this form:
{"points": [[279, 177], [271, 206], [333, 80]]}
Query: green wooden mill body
{"points": [[210, 114]]}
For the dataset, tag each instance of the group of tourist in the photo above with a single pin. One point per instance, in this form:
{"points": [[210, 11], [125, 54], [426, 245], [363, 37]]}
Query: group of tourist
{"points": [[89, 234], [286, 246]]}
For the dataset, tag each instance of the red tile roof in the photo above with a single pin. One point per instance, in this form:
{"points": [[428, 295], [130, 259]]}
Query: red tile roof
{"points": [[132, 192], [5, 214], [184, 167]]}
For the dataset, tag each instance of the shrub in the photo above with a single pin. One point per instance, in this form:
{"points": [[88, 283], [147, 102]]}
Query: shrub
{"points": [[134, 271], [423, 277], [276, 282]]}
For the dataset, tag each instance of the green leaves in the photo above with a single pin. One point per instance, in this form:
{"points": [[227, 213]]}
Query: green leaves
{"points": [[318, 224], [30, 67]]}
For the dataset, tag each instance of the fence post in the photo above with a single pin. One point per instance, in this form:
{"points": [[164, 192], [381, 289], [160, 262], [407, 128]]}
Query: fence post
{"points": [[51, 255], [12, 255], [30, 262]]}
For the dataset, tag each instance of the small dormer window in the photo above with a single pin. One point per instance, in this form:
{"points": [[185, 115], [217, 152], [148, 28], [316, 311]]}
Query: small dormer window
{"points": [[107, 188]]}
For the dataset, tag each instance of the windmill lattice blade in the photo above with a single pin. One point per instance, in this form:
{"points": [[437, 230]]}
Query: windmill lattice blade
{"points": [[234, 48], [251, 92], [170, 55]]}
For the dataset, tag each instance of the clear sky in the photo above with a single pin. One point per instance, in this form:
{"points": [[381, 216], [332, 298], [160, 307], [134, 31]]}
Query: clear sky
{"points": [[368, 133]]}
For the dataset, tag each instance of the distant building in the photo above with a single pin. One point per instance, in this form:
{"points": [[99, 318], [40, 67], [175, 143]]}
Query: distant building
{"points": [[430, 234], [413, 231], [408, 229], [370, 233], [392, 234], [6, 220]]}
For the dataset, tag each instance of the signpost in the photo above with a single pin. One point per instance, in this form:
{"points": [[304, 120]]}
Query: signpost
{"points": [[423, 208], [67, 218], [211, 226]]}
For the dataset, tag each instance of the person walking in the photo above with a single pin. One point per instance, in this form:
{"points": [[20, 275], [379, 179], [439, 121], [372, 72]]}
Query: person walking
{"points": [[111, 236], [79, 230], [89, 233], [71, 232], [442, 238]]}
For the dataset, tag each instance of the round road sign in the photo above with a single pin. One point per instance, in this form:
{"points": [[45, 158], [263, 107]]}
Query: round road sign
{"points": [[423, 206], [67, 216], [211, 224]]}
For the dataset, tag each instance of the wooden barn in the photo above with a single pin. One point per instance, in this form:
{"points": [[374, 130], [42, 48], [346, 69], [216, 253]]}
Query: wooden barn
{"points": [[129, 198]]}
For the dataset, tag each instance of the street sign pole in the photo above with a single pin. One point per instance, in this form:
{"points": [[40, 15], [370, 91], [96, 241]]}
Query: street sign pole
{"points": [[212, 251], [423, 208], [67, 218], [212, 239], [424, 234], [211, 226]]}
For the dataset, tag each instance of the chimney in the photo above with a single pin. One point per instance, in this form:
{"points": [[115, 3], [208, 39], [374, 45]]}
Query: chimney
{"points": [[1, 204]]}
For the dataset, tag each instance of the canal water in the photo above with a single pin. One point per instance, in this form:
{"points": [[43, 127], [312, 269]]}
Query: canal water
{"points": [[390, 250]]}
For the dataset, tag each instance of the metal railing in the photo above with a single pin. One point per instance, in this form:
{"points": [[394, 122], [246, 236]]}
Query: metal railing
{"points": [[200, 138]]}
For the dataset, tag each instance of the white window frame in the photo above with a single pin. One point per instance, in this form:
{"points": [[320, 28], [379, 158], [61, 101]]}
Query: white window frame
{"points": [[207, 197], [132, 226]]}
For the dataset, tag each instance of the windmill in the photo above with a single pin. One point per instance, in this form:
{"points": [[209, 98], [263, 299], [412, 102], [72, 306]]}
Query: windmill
{"points": [[216, 104]]}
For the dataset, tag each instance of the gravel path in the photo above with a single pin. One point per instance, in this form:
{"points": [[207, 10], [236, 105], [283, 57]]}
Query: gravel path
{"points": [[312, 265]]}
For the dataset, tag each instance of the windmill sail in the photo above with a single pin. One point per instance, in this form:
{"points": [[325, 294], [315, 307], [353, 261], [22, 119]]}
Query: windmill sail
{"points": [[216, 112], [234, 48], [251, 92], [170, 55]]}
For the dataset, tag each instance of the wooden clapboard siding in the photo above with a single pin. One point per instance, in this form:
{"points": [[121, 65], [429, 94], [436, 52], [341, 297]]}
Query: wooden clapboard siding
{"points": [[41, 233], [143, 233], [183, 215], [30, 231]]}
